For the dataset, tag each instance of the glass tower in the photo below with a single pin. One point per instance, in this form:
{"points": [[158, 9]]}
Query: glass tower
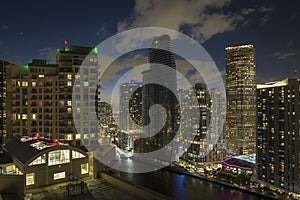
{"points": [[241, 99]]}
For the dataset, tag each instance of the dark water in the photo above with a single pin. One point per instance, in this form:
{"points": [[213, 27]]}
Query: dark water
{"points": [[181, 187]]}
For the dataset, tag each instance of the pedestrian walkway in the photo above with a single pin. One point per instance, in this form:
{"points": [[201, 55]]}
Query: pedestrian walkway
{"points": [[94, 189]]}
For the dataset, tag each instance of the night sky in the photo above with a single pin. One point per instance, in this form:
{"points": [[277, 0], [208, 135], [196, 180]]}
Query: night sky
{"points": [[35, 29]]}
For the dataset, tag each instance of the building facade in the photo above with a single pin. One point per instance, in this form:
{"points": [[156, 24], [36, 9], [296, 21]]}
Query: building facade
{"points": [[69, 60], [38, 97], [160, 54], [41, 162], [4, 79], [241, 99], [130, 107], [32, 91], [197, 154], [278, 146]]}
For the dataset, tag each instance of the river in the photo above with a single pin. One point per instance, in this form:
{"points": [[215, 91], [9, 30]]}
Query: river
{"points": [[181, 187]]}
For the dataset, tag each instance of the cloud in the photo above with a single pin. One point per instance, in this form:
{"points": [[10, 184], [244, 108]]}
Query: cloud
{"points": [[247, 11], [203, 18], [264, 19], [119, 66], [102, 31], [264, 9], [283, 55], [49, 54]]}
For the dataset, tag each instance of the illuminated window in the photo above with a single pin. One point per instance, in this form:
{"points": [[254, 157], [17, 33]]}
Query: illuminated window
{"points": [[69, 103], [39, 160], [85, 83], [24, 116], [24, 83], [30, 179], [41, 76], [69, 83], [77, 136], [33, 84], [69, 136], [69, 76], [58, 157], [69, 110], [61, 103], [76, 154], [33, 116], [85, 168], [59, 175]]}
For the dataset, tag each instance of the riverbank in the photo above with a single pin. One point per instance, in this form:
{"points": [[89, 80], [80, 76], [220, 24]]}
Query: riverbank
{"points": [[219, 182], [138, 190]]}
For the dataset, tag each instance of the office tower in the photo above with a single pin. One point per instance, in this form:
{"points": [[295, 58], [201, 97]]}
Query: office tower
{"points": [[69, 60], [241, 99], [160, 54], [130, 106], [278, 146], [32, 91]]}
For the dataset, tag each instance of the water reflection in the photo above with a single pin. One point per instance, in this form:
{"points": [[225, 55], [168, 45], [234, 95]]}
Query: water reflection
{"points": [[180, 187]]}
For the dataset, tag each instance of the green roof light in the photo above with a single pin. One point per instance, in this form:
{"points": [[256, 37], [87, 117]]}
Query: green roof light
{"points": [[67, 48], [25, 67], [95, 50]]}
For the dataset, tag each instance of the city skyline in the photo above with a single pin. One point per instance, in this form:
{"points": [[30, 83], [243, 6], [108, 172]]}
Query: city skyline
{"points": [[234, 22], [176, 99]]}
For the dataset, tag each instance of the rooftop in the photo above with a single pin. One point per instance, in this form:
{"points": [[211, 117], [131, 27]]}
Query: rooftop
{"points": [[4, 157], [80, 49], [133, 82], [242, 46], [25, 148], [273, 84]]}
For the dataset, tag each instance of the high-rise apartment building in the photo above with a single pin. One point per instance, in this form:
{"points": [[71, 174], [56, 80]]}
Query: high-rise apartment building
{"points": [[130, 115], [105, 114], [278, 146], [39, 96], [160, 93], [69, 60], [241, 99], [197, 153], [32, 94], [4, 79]]}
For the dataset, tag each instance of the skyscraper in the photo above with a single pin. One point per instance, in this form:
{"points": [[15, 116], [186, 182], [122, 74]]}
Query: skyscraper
{"points": [[278, 146], [160, 93], [241, 99], [105, 113], [130, 105], [197, 153], [69, 60]]}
